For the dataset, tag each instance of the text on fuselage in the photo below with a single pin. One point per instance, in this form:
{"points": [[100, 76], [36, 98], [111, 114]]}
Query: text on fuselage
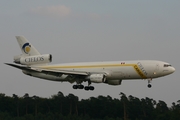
{"points": [[142, 68], [34, 59]]}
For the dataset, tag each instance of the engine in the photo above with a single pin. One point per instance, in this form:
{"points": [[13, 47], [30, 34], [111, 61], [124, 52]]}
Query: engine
{"points": [[114, 82], [97, 78], [31, 60]]}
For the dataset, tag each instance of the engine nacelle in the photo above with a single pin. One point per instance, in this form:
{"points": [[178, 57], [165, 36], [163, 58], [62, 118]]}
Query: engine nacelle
{"points": [[114, 82], [31, 60], [97, 78]]}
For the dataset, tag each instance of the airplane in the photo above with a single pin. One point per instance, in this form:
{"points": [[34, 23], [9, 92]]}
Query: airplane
{"points": [[32, 63]]}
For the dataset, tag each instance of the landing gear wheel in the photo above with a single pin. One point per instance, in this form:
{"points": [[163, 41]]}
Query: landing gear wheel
{"points": [[149, 85], [149, 81], [75, 87], [87, 88], [91, 87], [80, 86]]}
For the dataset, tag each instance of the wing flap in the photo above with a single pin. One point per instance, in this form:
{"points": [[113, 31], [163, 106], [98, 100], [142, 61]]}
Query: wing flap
{"points": [[65, 72]]}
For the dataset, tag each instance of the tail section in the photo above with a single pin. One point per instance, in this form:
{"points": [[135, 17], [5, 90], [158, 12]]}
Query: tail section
{"points": [[26, 48], [30, 56]]}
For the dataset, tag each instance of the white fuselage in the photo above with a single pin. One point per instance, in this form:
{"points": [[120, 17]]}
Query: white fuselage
{"points": [[115, 70]]}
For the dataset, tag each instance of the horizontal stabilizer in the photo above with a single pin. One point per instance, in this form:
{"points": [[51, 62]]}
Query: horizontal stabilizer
{"points": [[17, 66]]}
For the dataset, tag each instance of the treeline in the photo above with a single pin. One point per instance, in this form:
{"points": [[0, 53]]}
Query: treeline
{"points": [[60, 107]]}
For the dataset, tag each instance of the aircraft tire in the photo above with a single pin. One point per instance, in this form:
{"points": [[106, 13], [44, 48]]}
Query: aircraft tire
{"points": [[81, 86], [86, 88], [75, 87], [149, 85], [91, 87]]}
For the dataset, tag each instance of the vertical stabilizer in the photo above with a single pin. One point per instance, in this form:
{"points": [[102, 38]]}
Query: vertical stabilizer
{"points": [[26, 47]]}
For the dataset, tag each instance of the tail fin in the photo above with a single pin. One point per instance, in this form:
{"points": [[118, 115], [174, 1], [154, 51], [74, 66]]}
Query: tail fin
{"points": [[26, 48]]}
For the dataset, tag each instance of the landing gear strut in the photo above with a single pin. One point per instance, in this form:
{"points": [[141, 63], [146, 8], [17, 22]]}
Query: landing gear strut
{"points": [[149, 81], [89, 87]]}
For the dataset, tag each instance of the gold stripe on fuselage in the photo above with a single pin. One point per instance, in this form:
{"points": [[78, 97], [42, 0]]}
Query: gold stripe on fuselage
{"points": [[135, 66]]}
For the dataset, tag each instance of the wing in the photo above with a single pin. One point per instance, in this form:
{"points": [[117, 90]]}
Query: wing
{"points": [[50, 72]]}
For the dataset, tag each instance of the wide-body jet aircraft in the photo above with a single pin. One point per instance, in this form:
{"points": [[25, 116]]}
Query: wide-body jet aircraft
{"points": [[34, 64]]}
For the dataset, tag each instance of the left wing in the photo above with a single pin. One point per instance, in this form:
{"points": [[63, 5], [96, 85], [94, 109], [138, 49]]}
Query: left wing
{"points": [[50, 71]]}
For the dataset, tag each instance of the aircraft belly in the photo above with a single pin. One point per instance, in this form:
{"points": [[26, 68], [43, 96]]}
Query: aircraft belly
{"points": [[46, 76]]}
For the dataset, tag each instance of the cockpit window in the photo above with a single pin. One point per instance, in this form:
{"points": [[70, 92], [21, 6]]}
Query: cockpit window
{"points": [[166, 65]]}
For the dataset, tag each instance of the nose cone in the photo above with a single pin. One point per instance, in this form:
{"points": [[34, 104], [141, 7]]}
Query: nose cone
{"points": [[172, 69], [168, 70]]}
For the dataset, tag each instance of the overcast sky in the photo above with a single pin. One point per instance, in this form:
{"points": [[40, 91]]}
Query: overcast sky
{"points": [[92, 30]]}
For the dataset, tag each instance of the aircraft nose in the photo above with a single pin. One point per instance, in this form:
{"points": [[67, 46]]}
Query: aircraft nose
{"points": [[172, 69], [169, 70]]}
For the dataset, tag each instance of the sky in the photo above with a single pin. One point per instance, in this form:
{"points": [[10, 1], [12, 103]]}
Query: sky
{"points": [[91, 30]]}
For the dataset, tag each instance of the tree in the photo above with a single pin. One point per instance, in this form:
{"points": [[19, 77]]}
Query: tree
{"points": [[58, 101], [16, 100], [36, 102], [27, 101], [175, 111], [125, 102], [162, 110], [73, 100], [135, 108], [69, 107]]}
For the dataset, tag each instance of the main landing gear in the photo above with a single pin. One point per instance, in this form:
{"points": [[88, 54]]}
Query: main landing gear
{"points": [[89, 88], [82, 87], [149, 81], [78, 86]]}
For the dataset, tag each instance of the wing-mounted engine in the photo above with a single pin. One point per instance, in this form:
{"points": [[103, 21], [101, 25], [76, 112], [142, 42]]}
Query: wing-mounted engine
{"points": [[114, 82], [97, 78], [31, 60]]}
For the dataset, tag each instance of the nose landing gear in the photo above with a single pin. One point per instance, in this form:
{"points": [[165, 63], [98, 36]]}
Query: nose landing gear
{"points": [[149, 81]]}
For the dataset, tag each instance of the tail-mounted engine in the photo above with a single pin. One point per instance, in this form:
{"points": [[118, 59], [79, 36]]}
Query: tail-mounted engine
{"points": [[31, 60]]}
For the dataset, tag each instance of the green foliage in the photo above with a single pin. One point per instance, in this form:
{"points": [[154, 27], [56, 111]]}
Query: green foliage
{"points": [[60, 107]]}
